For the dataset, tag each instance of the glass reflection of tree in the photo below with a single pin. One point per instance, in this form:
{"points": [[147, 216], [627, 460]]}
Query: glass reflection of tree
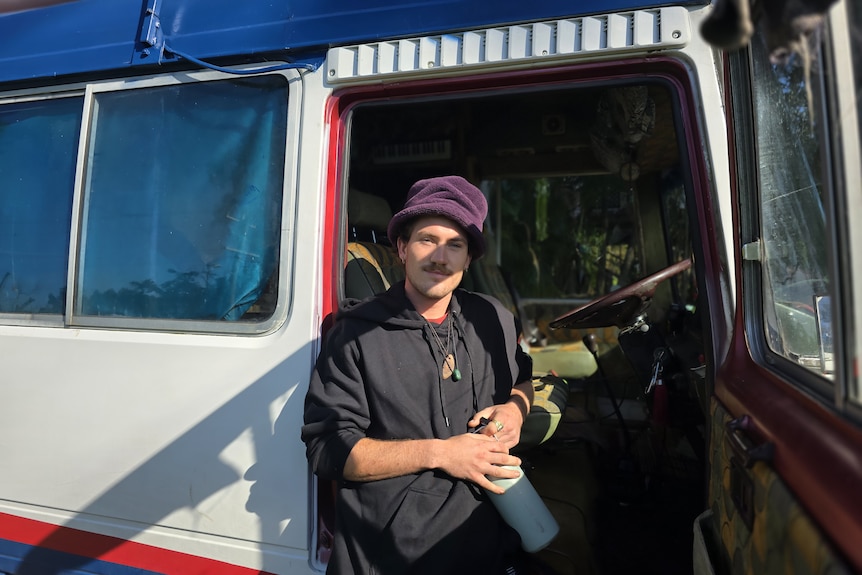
{"points": [[184, 296], [11, 297]]}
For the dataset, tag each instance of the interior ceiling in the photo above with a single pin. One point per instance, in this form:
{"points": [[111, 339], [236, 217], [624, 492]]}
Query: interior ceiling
{"points": [[536, 133]]}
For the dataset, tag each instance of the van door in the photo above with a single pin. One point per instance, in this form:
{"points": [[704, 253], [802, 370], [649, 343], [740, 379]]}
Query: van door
{"points": [[785, 440]]}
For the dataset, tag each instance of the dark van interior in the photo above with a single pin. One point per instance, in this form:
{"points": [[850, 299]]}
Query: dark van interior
{"points": [[590, 246]]}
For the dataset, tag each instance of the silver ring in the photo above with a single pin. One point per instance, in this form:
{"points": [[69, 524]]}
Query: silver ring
{"points": [[498, 424]]}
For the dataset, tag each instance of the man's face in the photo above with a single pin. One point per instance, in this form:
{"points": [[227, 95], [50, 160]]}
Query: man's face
{"points": [[434, 257]]}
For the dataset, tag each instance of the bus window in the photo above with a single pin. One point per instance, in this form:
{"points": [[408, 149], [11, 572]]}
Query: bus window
{"points": [[36, 203], [182, 196], [571, 239], [564, 240]]}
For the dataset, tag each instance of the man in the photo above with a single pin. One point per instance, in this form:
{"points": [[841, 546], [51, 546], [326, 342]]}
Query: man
{"points": [[401, 381]]}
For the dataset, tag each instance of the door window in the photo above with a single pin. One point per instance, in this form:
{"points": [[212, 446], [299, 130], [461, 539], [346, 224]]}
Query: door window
{"points": [[801, 187], [794, 243]]}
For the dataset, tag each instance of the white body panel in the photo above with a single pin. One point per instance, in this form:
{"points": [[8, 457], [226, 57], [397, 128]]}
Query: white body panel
{"points": [[188, 442]]}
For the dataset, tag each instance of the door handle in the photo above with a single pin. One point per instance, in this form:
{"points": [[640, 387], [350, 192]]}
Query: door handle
{"points": [[743, 447], [745, 454]]}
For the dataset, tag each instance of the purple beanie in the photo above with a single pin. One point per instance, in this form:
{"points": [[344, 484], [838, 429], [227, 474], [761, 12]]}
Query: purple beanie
{"points": [[452, 197]]}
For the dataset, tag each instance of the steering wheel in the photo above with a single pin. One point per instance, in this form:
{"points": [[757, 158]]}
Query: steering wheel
{"points": [[619, 307]]}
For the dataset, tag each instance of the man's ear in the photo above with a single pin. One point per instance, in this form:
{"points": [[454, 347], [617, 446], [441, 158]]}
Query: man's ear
{"points": [[402, 251]]}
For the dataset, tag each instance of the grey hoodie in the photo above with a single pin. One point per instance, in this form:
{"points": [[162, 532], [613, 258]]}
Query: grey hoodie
{"points": [[379, 376]]}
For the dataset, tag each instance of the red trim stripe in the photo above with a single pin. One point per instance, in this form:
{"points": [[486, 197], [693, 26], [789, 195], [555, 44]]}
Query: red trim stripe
{"points": [[113, 549]]}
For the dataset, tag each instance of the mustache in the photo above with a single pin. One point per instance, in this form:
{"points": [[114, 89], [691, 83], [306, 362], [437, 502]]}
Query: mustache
{"points": [[434, 268]]}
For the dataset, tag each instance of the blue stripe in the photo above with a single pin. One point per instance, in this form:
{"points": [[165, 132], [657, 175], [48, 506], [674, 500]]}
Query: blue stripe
{"points": [[19, 558], [92, 35]]}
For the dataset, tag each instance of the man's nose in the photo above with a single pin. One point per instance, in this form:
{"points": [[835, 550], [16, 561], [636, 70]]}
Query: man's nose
{"points": [[439, 254]]}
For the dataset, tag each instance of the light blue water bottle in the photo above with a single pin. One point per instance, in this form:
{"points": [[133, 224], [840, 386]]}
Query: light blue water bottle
{"points": [[523, 509]]}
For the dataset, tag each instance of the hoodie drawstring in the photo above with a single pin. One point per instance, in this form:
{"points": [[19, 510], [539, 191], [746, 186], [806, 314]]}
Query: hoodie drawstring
{"points": [[459, 336], [429, 339]]}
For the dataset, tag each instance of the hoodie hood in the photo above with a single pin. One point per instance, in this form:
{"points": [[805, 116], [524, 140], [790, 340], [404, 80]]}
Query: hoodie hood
{"points": [[390, 308]]}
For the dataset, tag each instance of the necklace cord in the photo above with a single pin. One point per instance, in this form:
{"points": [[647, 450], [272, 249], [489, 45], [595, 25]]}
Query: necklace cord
{"points": [[453, 365]]}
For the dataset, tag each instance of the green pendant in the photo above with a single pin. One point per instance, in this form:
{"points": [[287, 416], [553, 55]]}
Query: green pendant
{"points": [[456, 374]]}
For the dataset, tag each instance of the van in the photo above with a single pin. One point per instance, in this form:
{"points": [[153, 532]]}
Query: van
{"points": [[189, 190]]}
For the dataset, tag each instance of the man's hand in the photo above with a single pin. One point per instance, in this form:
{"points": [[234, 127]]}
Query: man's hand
{"points": [[473, 456], [506, 419], [504, 424]]}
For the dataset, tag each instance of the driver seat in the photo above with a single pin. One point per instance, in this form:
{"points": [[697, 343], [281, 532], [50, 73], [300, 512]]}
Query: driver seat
{"points": [[372, 265]]}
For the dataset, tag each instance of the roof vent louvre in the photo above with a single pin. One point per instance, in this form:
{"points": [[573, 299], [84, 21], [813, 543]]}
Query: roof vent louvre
{"points": [[662, 28]]}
